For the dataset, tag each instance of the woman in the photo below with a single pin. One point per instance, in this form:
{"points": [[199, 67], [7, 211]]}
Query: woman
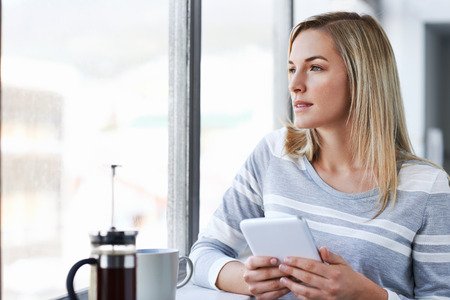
{"points": [[379, 213]]}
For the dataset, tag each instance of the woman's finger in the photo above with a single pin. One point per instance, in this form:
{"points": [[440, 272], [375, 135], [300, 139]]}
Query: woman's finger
{"points": [[312, 266], [262, 287], [262, 274], [331, 257], [305, 277], [273, 294], [301, 291], [255, 262]]}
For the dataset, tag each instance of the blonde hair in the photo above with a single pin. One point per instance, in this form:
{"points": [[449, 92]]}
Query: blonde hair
{"points": [[378, 128]]}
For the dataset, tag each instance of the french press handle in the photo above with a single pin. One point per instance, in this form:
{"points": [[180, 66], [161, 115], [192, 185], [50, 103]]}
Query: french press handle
{"points": [[71, 276]]}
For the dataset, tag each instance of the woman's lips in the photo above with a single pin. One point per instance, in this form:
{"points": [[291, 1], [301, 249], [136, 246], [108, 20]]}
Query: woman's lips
{"points": [[300, 106]]}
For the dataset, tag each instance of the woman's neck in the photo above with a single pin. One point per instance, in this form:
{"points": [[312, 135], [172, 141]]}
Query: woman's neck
{"points": [[335, 152], [337, 166]]}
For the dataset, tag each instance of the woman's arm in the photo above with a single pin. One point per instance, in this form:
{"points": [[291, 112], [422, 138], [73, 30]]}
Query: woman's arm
{"points": [[231, 278], [222, 241]]}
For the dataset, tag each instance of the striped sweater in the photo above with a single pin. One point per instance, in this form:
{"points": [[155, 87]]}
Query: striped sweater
{"points": [[405, 250]]}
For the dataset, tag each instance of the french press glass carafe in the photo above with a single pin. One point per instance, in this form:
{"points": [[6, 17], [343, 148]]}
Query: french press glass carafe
{"points": [[113, 266]]}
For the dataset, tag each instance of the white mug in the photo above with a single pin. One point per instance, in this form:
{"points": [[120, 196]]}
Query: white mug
{"points": [[157, 273]]}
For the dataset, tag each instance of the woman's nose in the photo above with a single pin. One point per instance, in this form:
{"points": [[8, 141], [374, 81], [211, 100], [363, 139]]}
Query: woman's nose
{"points": [[297, 83]]}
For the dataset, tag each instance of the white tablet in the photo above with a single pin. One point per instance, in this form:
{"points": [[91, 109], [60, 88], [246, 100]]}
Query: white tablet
{"points": [[280, 237]]}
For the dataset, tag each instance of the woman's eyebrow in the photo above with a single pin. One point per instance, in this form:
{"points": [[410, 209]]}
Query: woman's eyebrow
{"points": [[316, 57], [310, 59]]}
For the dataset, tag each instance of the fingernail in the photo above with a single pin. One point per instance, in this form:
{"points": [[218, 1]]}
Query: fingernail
{"points": [[283, 280], [287, 260], [283, 267], [274, 261]]}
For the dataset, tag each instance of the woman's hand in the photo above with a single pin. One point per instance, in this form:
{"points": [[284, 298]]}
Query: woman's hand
{"points": [[262, 276], [335, 280]]}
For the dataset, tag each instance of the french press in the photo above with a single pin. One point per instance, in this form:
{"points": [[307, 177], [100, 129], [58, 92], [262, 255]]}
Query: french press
{"points": [[113, 266], [113, 263]]}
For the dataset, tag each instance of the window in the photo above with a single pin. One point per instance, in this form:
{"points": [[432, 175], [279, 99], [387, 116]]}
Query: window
{"points": [[82, 90], [84, 86], [236, 91]]}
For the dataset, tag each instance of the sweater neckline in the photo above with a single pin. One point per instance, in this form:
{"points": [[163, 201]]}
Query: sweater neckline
{"points": [[329, 189]]}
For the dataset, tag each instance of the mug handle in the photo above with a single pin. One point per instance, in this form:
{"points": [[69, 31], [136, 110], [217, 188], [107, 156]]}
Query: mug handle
{"points": [[189, 270], [71, 276]]}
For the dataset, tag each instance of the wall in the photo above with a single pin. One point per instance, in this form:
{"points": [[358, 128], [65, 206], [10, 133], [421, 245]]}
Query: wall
{"points": [[445, 98], [404, 22]]}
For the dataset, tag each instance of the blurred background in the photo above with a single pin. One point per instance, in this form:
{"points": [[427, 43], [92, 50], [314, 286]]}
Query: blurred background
{"points": [[85, 85]]}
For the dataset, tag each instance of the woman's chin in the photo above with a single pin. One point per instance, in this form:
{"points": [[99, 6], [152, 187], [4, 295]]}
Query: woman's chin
{"points": [[303, 125]]}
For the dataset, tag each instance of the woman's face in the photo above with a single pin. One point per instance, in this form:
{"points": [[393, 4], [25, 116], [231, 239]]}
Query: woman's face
{"points": [[318, 82]]}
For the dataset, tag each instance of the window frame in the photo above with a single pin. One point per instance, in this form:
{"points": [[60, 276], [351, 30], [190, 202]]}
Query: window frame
{"points": [[184, 123]]}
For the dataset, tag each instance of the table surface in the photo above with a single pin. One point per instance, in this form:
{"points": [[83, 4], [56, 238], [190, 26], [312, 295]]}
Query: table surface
{"points": [[193, 292]]}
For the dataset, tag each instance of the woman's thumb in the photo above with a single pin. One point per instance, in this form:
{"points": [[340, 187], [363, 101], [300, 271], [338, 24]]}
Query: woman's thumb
{"points": [[330, 257]]}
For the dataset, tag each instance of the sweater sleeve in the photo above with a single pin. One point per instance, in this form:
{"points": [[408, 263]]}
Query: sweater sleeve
{"points": [[431, 246], [222, 240]]}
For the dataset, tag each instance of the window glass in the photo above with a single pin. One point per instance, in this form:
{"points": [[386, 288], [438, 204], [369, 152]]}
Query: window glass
{"points": [[84, 86], [236, 91]]}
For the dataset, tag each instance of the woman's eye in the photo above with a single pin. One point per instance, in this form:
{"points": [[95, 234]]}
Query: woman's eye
{"points": [[291, 71], [316, 68]]}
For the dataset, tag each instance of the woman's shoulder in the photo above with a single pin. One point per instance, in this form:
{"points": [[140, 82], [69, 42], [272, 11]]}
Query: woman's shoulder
{"points": [[423, 176], [274, 141]]}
